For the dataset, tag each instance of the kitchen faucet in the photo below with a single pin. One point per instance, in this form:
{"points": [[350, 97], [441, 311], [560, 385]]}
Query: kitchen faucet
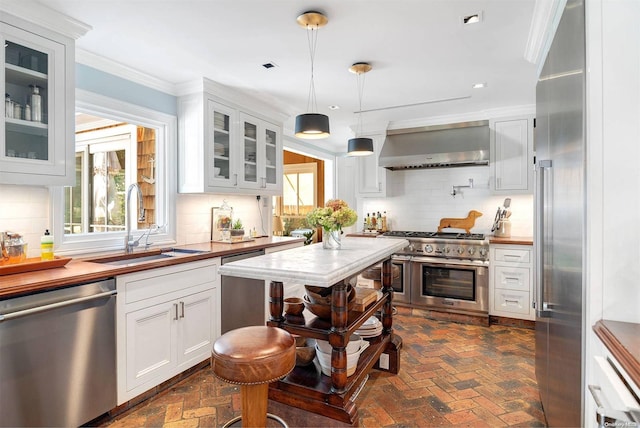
{"points": [[129, 243]]}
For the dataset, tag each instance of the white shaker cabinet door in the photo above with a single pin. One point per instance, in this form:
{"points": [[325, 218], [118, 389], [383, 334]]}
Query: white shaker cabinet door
{"points": [[151, 335], [512, 156], [196, 327]]}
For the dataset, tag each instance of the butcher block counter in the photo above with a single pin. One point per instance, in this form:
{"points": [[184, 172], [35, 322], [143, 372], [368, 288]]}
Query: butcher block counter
{"points": [[513, 240], [93, 268]]}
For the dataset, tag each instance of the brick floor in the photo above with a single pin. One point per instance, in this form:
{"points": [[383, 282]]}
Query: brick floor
{"points": [[451, 375]]}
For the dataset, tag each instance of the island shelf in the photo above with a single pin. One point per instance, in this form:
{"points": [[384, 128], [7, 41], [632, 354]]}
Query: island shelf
{"points": [[306, 387]]}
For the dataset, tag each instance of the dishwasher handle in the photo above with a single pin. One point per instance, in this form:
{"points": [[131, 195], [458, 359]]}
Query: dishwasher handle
{"points": [[38, 309]]}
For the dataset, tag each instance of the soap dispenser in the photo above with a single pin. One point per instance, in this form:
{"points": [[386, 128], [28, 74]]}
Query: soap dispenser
{"points": [[46, 246]]}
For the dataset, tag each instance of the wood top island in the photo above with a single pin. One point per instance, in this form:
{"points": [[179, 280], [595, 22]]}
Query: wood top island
{"points": [[306, 387]]}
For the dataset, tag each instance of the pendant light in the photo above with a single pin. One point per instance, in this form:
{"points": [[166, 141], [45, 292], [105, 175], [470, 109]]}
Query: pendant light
{"points": [[360, 146], [312, 125]]}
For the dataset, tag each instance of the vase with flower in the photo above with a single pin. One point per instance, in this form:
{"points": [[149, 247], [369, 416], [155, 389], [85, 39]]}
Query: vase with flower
{"points": [[335, 215]]}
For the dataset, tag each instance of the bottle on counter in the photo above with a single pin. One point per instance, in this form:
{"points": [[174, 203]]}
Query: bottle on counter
{"points": [[379, 221], [46, 246], [384, 221]]}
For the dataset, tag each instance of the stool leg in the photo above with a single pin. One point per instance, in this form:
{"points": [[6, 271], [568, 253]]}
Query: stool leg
{"points": [[254, 404]]}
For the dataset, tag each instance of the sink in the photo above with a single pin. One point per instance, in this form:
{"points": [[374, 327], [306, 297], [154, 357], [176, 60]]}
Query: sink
{"points": [[136, 260], [140, 258]]}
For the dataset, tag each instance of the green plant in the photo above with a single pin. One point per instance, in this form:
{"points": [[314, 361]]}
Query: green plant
{"points": [[334, 216], [237, 224]]}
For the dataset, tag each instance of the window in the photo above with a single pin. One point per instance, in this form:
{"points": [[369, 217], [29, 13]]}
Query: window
{"points": [[299, 195], [117, 144], [105, 166]]}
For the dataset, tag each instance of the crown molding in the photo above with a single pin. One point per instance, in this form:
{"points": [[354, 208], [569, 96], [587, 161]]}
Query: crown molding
{"points": [[43, 16], [125, 72], [546, 16]]}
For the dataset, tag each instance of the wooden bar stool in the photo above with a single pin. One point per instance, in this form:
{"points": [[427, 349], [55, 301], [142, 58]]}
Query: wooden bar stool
{"points": [[253, 357]]}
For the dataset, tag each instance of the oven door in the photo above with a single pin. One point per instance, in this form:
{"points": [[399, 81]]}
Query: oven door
{"points": [[450, 285], [400, 285]]}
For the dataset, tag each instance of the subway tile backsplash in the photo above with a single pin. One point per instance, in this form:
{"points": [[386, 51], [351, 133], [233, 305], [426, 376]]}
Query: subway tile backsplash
{"points": [[25, 209]]}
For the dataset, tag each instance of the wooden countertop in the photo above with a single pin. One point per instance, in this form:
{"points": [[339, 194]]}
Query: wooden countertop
{"points": [[514, 240], [622, 339], [86, 269]]}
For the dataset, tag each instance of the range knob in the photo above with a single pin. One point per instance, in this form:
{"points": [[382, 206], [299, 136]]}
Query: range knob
{"points": [[460, 250], [471, 251], [446, 250], [483, 252], [428, 248]]}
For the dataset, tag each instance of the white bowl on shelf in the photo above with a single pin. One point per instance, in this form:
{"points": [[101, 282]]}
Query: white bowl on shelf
{"points": [[352, 359], [355, 342]]}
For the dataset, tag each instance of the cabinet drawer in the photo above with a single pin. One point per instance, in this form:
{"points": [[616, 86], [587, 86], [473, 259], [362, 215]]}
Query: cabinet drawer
{"points": [[147, 284], [512, 278], [512, 255], [511, 301]]}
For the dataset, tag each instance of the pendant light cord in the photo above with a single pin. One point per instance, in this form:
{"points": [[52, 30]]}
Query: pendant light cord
{"points": [[312, 39], [360, 80]]}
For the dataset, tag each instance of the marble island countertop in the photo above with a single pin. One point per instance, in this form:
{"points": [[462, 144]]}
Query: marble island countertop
{"points": [[314, 265]]}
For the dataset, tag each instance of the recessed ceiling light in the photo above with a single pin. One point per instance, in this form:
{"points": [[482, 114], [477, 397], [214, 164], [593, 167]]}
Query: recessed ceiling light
{"points": [[269, 65], [334, 107], [479, 85], [474, 18]]}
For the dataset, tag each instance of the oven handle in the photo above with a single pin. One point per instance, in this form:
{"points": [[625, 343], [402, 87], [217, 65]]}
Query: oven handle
{"points": [[438, 262], [398, 258]]}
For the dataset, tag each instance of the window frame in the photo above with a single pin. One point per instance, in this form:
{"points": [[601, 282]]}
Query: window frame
{"points": [[298, 168], [166, 134]]}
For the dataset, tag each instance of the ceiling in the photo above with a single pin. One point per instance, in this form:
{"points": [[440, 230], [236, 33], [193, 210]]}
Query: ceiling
{"points": [[425, 61]]}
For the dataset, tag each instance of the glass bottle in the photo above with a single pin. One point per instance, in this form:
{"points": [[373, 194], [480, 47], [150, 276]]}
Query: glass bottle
{"points": [[36, 104], [8, 106]]}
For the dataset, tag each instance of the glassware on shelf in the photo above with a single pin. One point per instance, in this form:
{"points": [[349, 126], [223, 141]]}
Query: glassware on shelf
{"points": [[36, 104], [8, 106]]}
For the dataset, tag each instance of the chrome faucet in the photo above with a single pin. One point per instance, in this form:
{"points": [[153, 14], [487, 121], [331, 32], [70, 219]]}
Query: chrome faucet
{"points": [[129, 243]]}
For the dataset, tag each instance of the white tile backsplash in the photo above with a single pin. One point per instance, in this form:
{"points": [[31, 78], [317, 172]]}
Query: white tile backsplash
{"points": [[418, 199], [25, 209]]}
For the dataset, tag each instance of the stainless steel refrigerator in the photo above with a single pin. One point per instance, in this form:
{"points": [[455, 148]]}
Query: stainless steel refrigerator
{"points": [[560, 222]]}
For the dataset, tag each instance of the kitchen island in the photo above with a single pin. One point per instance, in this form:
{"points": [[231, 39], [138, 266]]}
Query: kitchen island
{"points": [[306, 387]]}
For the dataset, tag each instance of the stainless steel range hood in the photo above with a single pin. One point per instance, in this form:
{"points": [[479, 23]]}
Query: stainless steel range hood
{"points": [[439, 146]]}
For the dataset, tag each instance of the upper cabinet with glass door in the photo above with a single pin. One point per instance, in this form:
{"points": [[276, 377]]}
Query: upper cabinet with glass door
{"points": [[36, 135], [262, 155], [225, 150]]}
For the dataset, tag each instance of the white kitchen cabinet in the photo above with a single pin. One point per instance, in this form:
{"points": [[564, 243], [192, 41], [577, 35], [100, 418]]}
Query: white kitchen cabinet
{"points": [[223, 149], [371, 179], [511, 281], [37, 146], [512, 155], [168, 319], [261, 158]]}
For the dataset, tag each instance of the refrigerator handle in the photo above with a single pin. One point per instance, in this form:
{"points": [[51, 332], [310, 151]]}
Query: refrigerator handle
{"points": [[542, 307]]}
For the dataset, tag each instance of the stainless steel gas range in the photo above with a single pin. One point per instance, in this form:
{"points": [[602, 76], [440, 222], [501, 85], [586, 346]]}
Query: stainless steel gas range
{"points": [[445, 272]]}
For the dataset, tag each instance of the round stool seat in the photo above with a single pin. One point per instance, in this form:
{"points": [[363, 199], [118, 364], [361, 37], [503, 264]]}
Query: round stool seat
{"points": [[254, 355], [375, 272]]}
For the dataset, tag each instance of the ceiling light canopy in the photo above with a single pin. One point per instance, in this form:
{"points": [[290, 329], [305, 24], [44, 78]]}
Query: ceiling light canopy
{"points": [[312, 125], [360, 146]]}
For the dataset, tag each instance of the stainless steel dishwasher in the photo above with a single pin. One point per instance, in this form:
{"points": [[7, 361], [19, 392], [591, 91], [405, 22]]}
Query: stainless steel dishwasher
{"points": [[243, 300], [58, 356]]}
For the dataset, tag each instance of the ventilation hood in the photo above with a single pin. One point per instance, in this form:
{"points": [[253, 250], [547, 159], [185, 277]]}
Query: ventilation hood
{"points": [[439, 146]]}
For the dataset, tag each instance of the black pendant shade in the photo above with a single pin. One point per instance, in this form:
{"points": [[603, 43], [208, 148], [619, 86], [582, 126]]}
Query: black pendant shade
{"points": [[312, 126], [360, 146]]}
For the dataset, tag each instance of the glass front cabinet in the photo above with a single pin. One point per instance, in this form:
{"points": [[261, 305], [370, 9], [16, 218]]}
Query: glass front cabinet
{"points": [[36, 139], [225, 150], [261, 157]]}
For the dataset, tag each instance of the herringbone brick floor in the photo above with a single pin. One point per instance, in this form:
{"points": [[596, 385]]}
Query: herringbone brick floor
{"points": [[451, 375]]}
